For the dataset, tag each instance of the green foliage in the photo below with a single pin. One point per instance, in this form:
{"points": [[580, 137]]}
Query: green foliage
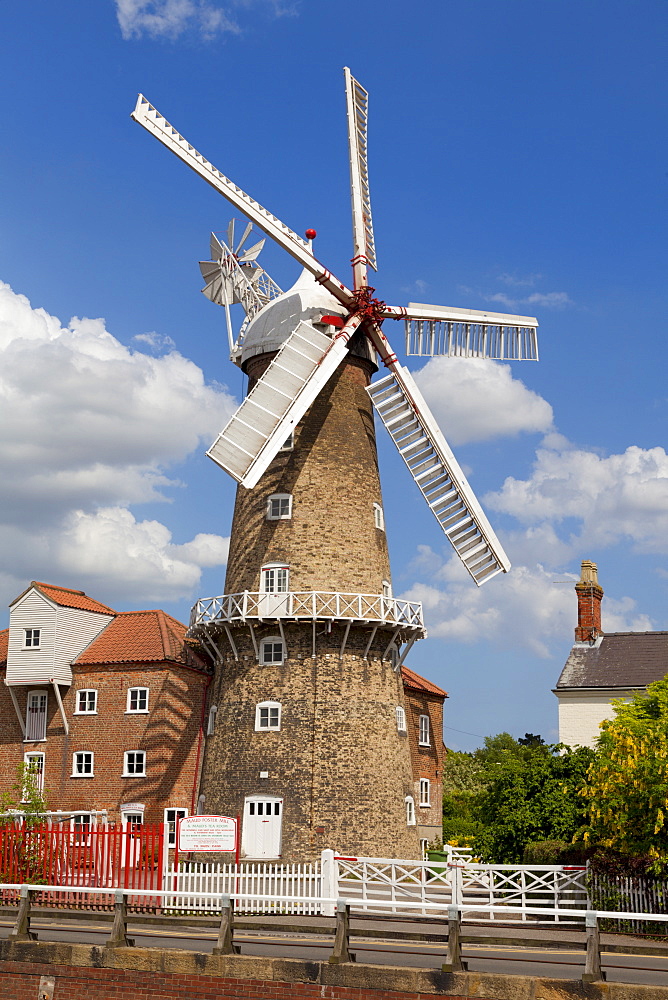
{"points": [[543, 852], [531, 795], [464, 778], [26, 854], [626, 792]]}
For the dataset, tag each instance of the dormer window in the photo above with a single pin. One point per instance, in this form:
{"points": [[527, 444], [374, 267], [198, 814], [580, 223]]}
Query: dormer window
{"points": [[31, 638], [279, 507]]}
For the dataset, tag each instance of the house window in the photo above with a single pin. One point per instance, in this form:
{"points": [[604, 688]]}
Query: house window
{"points": [[134, 765], [172, 816], [86, 702], [272, 650], [82, 764], [401, 719], [267, 716], [378, 517], [31, 637], [275, 579], [137, 700], [279, 507], [81, 826], [410, 810], [34, 768], [36, 716], [211, 725], [425, 739], [424, 792]]}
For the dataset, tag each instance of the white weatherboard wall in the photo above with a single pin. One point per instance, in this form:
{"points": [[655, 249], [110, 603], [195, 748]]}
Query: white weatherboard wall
{"points": [[64, 633], [581, 713]]}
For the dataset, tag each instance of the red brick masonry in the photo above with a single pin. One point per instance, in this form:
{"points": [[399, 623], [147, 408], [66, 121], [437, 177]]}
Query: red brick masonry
{"points": [[21, 981]]}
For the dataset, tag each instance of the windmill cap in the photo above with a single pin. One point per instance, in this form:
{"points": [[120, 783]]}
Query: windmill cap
{"points": [[305, 301]]}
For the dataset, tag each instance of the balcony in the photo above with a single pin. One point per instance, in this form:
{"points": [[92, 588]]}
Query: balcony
{"points": [[309, 606]]}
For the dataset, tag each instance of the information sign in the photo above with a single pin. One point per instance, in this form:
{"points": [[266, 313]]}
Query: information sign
{"points": [[207, 833]]}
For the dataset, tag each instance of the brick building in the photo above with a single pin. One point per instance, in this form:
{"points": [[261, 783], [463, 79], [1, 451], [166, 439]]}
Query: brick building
{"points": [[113, 710], [602, 666], [108, 707]]}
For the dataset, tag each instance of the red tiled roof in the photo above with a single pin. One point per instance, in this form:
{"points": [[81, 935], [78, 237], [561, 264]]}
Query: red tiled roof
{"points": [[416, 683], [4, 642], [67, 598], [137, 636]]}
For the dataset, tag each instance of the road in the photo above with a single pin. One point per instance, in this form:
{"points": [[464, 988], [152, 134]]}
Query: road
{"points": [[548, 962]]}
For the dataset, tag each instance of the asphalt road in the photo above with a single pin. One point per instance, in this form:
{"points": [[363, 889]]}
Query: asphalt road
{"points": [[554, 963]]}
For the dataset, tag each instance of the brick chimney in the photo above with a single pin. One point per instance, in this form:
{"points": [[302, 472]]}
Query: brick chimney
{"points": [[590, 594]]}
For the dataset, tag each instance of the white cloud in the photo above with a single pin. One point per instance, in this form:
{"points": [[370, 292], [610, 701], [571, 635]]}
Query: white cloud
{"points": [[477, 400], [544, 300], [89, 427], [519, 281], [623, 496], [528, 608], [173, 18], [154, 340]]}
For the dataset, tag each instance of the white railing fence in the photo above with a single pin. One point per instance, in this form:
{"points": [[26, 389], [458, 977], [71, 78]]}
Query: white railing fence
{"points": [[197, 887], [553, 887]]}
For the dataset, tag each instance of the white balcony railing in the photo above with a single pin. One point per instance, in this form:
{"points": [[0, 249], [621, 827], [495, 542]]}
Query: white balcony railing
{"points": [[309, 606]]}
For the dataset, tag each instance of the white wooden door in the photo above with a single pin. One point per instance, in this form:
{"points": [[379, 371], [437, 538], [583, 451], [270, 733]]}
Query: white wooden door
{"points": [[261, 832]]}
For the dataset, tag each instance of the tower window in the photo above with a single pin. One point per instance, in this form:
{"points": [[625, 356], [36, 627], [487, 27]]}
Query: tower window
{"points": [[425, 735], [387, 589], [279, 507], [424, 792], [272, 650], [267, 716], [401, 719], [378, 517], [289, 442], [211, 725], [410, 810], [275, 578]]}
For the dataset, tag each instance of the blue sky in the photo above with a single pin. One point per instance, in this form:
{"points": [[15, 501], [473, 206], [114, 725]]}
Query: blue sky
{"points": [[518, 162]]}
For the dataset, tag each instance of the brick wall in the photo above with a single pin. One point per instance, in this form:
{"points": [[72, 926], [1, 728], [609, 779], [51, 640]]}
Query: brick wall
{"points": [[168, 734]]}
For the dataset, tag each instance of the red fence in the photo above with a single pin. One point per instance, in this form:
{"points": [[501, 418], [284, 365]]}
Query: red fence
{"points": [[130, 858]]}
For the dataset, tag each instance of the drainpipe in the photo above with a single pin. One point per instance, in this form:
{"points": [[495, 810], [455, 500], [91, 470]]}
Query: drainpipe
{"points": [[200, 739]]}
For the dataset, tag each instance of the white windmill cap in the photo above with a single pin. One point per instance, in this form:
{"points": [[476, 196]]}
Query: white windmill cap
{"points": [[306, 300]]}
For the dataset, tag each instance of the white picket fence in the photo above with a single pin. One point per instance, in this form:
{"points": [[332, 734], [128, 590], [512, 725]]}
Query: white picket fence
{"points": [[380, 885], [301, 882]]}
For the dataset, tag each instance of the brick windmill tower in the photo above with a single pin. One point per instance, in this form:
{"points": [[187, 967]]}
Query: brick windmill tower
{"points": [[307, 734]]}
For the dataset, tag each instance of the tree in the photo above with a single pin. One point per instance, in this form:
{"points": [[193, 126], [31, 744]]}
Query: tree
{"points": [[626, 792], [464, 778], [532, 795]]}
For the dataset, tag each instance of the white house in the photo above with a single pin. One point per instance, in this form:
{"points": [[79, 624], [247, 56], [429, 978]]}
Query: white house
{"points": [[602, 666]]}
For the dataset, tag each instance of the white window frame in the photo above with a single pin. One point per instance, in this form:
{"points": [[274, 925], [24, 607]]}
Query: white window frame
{"points": [[378, 517], [424, 845], [410, 810], [35, 756], [32, 638], [401, 719], [211, 723], [137, 711], [425, 731], [273, 640], [425, 793], [81, 830], [85, 711], [387, 590], [178, 813], [76, 763], [283, 503], [289, 442], [126, 763], [267, 706], [41, 693], [275, 578]]}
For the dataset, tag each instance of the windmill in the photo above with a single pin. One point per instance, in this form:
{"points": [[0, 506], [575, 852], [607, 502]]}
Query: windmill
{"points": [[309, 357]]}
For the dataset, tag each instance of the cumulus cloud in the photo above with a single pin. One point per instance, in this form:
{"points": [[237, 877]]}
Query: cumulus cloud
{"points": [[173, 18], [90, 427], [622, 496], [477, 400], [529, 608]]}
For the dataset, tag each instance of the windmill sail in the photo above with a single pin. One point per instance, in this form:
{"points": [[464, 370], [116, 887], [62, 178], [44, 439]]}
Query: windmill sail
{"points": [[437, 473], [278, 401], [469, 333], [357, 102]]}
